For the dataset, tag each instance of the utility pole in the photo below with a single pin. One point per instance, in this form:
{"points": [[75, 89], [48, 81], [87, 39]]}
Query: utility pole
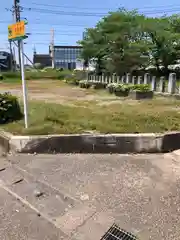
{"points": [[11, 56], [14, 58], [52, 48], [18, 19]]}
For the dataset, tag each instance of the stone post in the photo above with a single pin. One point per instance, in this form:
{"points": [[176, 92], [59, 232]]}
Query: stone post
{"points": [[103, 78], [128, 78], [123, 79], [114, 78], [91, 78], [118, 79], [94, 78], [153, 83], [133, 80], [100, 78], [172, 83], [107, 79], [139, 79], [110, 78], [146, 78], [162, 84]]}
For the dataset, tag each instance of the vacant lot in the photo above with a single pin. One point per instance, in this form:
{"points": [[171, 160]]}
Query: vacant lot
{"points": [[55, 107]]}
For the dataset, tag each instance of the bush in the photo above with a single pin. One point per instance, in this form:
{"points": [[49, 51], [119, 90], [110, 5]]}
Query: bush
{"points": [[75, 77], [38, 65], [71, 80], [111, 87], [99, 85], [141, 87], [80, 74], [1, 77], [121, 88], [63, 75], [9, 108], [7, 75], [84, 84]]}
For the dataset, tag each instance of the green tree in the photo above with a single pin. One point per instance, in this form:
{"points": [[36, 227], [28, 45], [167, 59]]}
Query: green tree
{"points": [[127, 47], [124, 41], [116, 43], [164, 41], [93, 47]]}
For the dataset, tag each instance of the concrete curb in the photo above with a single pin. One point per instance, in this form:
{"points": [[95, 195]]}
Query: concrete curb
{"points": [[89, 143], [4, 142]]}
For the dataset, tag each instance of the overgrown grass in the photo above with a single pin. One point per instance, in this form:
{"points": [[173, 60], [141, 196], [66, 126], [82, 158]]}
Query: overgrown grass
{"points": [[158, 115], [34, 75]]}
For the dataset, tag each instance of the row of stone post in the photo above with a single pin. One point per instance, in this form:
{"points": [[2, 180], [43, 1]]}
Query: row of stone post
{"points": [[128, 79]]}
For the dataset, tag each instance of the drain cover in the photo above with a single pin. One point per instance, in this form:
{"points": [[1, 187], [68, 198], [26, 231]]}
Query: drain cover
{"points": [[116, 233]]}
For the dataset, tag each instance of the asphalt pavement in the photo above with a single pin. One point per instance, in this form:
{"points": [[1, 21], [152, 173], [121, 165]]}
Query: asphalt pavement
{"points": [[80, 196]]}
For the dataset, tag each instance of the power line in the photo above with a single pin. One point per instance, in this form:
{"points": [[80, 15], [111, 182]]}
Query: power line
{"points": [[83, 14], [49, 24], [46, 33], [91, 14], [100, 8], [68, 7]]}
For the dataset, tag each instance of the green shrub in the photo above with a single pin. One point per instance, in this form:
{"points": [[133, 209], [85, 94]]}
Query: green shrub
{"points": [[1, 77], [75, 77], [70, 79], [121, 88], [63, 75], [7, 75], [141, 88], [84, 84], [9, 108], [38, 65], [111, 87], [99, 85], [80, 74]]}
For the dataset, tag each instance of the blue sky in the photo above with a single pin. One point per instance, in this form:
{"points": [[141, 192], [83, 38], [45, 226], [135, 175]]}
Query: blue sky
{"points": [[68, 29]]}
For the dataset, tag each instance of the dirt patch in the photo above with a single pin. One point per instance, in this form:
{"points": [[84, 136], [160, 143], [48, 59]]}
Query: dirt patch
{"points": [[54, 91], [118, 101]]}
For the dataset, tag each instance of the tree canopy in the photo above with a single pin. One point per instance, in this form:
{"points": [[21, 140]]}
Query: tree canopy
{"points": [[124, 41]]}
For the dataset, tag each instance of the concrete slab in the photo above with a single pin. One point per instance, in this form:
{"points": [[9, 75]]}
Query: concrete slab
{"points": [[141, 193], [75, 218], [19, 222]]}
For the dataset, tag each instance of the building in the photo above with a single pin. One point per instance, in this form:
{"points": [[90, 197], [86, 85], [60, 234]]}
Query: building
{"points": [[44, 59], [6, 60], [66, 56]]}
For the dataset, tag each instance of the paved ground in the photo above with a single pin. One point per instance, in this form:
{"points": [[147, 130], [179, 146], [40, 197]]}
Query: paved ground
{"points": [[81, 196]]}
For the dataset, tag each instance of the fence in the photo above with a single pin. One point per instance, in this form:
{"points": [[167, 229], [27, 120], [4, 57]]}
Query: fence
{"points": [[161, 84]]}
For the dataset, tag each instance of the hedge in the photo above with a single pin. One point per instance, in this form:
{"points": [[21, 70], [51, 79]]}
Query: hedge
{"points": [[9, 108]]}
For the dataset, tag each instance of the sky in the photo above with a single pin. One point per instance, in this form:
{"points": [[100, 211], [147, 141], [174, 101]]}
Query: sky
{"points": [[69, 18]]}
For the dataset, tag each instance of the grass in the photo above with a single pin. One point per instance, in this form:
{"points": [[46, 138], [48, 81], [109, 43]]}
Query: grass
{"points": [[12, 77], [127, 116]]}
